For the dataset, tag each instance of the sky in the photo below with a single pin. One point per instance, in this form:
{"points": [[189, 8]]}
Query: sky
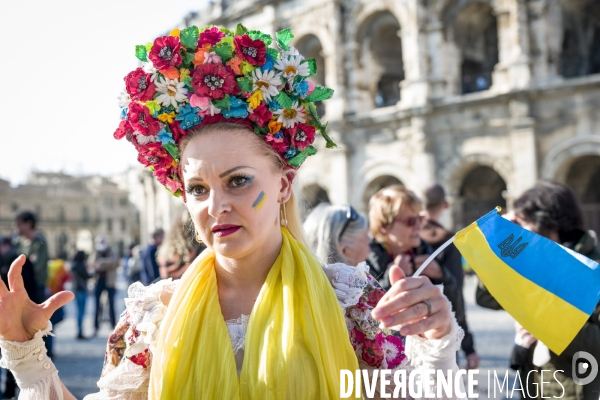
{"points": [[62, 69]]}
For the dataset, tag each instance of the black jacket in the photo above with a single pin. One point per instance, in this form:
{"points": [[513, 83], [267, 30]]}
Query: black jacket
{"points": [[27, 273]]}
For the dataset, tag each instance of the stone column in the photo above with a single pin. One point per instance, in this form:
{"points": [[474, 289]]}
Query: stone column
{"points": [[513, 69], [523, 149], [545, 21]]}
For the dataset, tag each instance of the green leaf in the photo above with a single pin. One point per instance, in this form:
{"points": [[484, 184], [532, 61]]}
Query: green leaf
{"points": [[141, 53], [189, 37], [172, 150], [312, 65], [149, 47], [245, 84], [319, 94], [222, 29], [188, 81], [284, 100], [247, 68], [188, 58], [224, 51], [254, 35], [273, 53], [316, 122], [240, 30], [284, 37], [222, 104], [261, 131], [299, 158]]}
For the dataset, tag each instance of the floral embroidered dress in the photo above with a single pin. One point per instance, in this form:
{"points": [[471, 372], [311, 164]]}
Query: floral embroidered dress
{"points": [[126, 371]]}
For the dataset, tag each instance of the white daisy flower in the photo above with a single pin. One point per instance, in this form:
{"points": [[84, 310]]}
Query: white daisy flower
{"points": [[124, 99], [141, 139], [390, 351], [291, 116], [291, 66], [268, 83], [149, 68], [292, 52], [172, 92]]}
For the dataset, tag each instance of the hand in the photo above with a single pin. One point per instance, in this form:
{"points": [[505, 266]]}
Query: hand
{"points": [[405, 264], [433, 270], [402, 307], [526, 338], [21, 318], [472, 361]]}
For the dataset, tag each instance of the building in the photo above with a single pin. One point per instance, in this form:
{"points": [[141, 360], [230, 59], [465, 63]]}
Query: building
{"points": [[72, 211], [483, 96]]}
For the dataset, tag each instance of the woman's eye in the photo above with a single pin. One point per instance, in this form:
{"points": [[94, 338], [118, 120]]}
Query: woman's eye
{"points": [[239, 181], [197, 190]]}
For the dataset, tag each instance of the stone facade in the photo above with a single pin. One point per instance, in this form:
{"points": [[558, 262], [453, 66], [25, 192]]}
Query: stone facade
{"points": [[483, 96], [72, 211]]}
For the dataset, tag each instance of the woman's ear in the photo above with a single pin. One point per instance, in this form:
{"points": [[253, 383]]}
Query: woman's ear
{"points": [[285, 191]]}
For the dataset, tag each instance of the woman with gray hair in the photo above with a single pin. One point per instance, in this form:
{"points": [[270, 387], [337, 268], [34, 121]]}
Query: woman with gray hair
{"points": [[338, 234]]}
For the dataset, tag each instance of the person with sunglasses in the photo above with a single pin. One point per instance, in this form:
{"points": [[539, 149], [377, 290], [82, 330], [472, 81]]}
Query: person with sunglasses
{"points": [[395, 223], [338, 234]]}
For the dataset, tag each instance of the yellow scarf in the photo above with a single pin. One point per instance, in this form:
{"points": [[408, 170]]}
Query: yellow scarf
{"points": [[296, 343]]}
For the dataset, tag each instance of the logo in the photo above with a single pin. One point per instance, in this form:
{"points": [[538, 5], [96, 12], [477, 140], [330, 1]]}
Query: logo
{"points": [[510, 249], [585, 368]]}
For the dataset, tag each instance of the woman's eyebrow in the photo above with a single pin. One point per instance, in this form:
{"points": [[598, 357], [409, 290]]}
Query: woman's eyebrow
{"points": [[229, 171]]}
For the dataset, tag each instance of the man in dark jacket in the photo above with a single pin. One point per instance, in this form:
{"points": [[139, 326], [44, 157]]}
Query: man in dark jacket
{"points": [[150, 272], [435, 235], [551, 210]]}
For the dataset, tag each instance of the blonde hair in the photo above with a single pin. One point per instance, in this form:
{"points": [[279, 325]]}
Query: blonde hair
{"points": [[179, 240], [386, 204], [294, 224]]}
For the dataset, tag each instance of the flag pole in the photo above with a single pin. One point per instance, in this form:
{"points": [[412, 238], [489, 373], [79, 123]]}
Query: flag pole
{"points": [[434, 255]]}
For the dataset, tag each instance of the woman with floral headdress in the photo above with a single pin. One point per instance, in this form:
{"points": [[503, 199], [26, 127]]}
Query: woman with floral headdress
{"points": [[224, 120]]}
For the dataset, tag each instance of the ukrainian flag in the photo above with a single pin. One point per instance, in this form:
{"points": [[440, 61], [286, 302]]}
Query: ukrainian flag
{"points": [[547, 288]]}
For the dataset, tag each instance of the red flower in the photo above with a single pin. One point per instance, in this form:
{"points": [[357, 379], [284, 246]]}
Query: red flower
{"points": [[372, 353], [124, 130], [302, 136], [164, 53], [253, 51], [392, 349], [356, 338], [141, 359], [214, 80], [210, 36], [261, 115], [139, 86], [176, 131], [374, 296], [278, 142], [141, 121], [154, 155]]}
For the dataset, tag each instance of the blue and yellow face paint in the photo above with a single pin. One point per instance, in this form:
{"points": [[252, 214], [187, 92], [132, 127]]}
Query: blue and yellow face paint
{"points": [[260, 201]]}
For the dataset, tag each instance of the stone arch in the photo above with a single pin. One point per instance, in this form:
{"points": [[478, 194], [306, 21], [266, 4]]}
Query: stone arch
{"points": [[379, 56], [559, 159], [310, 46], [584, 179], [473, 28], [376, 185], [580, 54], [481, 190], [369, 173]]}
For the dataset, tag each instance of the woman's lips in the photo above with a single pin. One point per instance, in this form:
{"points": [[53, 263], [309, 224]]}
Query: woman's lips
{"points": [[225, 230]]}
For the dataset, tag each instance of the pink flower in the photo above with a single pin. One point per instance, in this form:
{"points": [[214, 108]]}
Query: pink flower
{"points": [[141, 121], [210, 36], [253, 51], [372, 353], [176, 131], [261, 115], [392, 350], [154, 155], [164, 53], [212, 58], [374, 296], [141, 359], [302, 136], [311, 87], [213, 80], [138, 85]]}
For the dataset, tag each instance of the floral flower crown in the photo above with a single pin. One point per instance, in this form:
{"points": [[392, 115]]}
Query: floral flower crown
{"points": [[202, 76]]}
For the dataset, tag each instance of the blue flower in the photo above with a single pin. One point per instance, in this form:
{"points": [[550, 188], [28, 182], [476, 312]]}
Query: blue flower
{"points": [[290, 153], [124, 113], [165, 137], [278, 135], [237, 108], [301, 88], [268, 65], [188, 116], [273, 105]]}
